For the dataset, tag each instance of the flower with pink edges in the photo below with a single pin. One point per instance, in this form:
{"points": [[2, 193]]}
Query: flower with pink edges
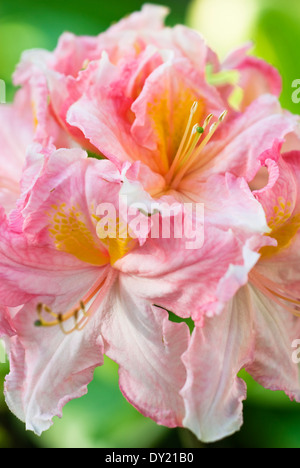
{"points": [[175, 126]]}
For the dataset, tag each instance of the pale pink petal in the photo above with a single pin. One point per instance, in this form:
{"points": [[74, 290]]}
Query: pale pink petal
{"points": [[257, 77], [228, 201], [97, 115], [213, 394], [62, 204], [150, 17], [242, 139], [6, 326], [34, 73], [275, 331], [48, 369], [189, 283], [191, 45], [148, 349], [72, 52]]}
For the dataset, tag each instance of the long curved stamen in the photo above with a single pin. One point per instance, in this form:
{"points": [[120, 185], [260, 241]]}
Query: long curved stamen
{"points": [[81, 314], [195, 155], [277, 293], [184, 143], [189, 149]]}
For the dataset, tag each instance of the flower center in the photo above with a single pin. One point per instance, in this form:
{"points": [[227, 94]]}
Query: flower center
{"points": [[72, 233], [187, 158]]}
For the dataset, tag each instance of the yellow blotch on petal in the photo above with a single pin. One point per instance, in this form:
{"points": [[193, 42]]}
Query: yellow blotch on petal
{"points": [[284, 228], [116, 239], [71, 234]]}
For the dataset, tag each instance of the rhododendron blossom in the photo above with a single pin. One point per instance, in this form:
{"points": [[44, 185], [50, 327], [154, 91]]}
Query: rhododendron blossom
{"points": [[94, 295], [141, 92], [146, 117]]}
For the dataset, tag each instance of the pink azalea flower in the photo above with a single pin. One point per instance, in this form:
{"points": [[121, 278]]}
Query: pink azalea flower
{"points": [[90, 297], [159, 99], [258, 326], [141, 92]]}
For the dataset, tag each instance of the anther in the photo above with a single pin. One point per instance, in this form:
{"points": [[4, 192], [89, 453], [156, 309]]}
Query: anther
{"points": [[223, 115]]}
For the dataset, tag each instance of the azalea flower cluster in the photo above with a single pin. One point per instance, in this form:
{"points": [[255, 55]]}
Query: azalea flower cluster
{"points": [[148, 114]]}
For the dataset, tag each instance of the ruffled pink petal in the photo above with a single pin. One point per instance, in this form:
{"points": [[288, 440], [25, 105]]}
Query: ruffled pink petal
{"points": [[213, 394], [60, 240], [228, 202], [148, 348], [192, 46], [282, 185], [48, 369], [257, 77], [192, 283], [275, 331], [35, 73], [62, 204], [242, 139], [104, 125], [150, 17]]}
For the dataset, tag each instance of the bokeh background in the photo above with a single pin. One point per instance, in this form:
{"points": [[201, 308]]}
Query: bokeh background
{"points": [[103, 418]]}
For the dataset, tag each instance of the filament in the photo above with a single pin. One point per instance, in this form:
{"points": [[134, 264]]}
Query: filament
{"points": [[191, 146], [80, 314], [276, 292]]}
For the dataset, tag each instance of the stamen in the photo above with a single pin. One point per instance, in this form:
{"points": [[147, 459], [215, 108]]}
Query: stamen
{"points": [[183, 144], [192, 156], [275, 292], [204, 161], [79, 314]]}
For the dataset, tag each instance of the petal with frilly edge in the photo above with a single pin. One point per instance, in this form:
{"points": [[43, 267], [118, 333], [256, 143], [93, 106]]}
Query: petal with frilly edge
{"points": [[148, 348], [192, 283], [150, 17], [275, 331], [213, 394], [48, 368], [242, 138], [256, 77], [228, 202]]}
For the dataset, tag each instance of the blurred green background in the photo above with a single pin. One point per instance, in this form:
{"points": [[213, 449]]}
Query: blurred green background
{"points": [[103, 418]]}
